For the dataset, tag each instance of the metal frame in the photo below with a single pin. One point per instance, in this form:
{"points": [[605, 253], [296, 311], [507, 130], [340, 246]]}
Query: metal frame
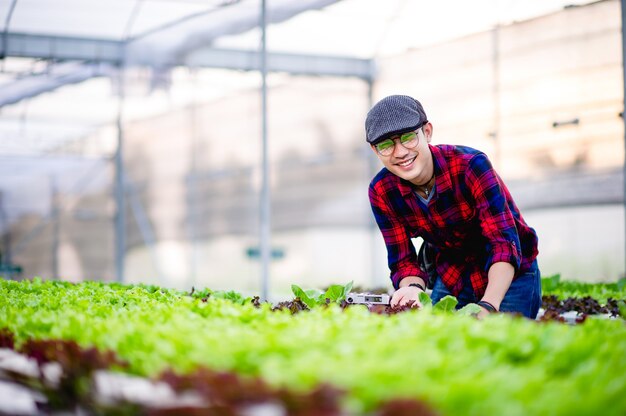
{"points": [[112, 52], [100, 57]]}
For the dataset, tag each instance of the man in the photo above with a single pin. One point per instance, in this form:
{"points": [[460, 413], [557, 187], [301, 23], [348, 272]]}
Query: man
{"points": [[477, 247]]}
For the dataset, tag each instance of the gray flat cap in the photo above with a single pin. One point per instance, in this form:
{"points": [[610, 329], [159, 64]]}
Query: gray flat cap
{"points": [[395, 114]]}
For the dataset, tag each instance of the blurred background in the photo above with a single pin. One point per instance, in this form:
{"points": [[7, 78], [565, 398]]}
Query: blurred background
{"points": [[131, 132]]}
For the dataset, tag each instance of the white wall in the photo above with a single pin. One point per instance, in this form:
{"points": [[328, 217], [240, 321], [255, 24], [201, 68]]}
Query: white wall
{"points": [[581, 243]]}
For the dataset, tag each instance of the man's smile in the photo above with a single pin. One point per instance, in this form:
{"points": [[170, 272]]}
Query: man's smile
{"points": [[406, 163]]}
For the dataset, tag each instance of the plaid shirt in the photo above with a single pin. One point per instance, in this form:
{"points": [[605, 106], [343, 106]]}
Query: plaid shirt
{"points": [[471, 221]]}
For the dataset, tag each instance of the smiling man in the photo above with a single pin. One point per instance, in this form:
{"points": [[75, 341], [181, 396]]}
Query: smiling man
{"points": [[477, 247]]}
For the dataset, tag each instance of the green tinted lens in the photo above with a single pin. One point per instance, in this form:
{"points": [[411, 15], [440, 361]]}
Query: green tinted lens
{"points": [[407, 138], [384, 146]]}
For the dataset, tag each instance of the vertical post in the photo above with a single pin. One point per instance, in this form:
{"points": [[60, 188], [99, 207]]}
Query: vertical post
{"points": [[623, 4], [55, 216], [193, 194], [371, 163], [120, 200], [5, 38], [265, 189], [6, 255]]}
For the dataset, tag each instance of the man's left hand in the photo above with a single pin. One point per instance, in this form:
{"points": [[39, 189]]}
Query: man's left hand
{"points": [[483, 312]]}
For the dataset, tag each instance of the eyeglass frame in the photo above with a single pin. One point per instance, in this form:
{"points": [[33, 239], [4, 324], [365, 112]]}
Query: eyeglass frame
{"points": [[393, 148]]}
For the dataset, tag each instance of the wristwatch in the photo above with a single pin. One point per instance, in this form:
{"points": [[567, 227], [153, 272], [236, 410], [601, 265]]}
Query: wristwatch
{"points": [[487, 306], [418, 286]]}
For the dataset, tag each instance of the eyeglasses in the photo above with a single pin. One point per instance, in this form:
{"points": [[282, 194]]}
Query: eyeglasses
{"points": [[409, 140]]}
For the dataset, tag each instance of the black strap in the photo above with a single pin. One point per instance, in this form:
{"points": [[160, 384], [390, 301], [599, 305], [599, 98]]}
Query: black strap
{"points": [[487, 305], [426, 261]]}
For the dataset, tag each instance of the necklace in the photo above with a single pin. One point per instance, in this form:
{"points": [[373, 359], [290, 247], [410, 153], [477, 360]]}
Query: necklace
{"points": [[426, 191], [424, 187]]}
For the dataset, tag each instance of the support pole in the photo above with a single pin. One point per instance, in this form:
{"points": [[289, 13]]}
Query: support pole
{"points": [[265, 206], [7, 256], [372, 166], [623, 3], [120, 200], [193, 189], [55, 215]]}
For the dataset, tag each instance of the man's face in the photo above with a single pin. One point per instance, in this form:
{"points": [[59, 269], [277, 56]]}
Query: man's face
{"points": [[413, 161]]}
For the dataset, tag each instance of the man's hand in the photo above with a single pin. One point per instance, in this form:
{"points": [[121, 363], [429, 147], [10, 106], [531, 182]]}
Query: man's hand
{"points": [[405, 295], [483, 312], [486, 308]]}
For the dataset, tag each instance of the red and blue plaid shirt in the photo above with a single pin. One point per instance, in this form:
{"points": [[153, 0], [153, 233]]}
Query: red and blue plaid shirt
{"points": [[471, 221]]}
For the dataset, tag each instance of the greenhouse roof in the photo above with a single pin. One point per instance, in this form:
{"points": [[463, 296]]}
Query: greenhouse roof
{"points": [[340, 40], [60, 61]]}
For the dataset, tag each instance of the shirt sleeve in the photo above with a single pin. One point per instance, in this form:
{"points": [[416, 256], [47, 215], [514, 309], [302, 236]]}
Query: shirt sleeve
{"points": [[496, 219], [401, 256]]}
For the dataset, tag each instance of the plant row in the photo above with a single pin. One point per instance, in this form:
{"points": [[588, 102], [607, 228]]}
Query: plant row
{"points": [[601, 292], [449, 362]]}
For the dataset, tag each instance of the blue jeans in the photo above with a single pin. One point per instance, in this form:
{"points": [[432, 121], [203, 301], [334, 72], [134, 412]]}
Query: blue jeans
{"points": [[523, 296]]}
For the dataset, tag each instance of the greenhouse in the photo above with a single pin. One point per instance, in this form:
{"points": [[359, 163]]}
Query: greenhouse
{"points": [[315, 207]]}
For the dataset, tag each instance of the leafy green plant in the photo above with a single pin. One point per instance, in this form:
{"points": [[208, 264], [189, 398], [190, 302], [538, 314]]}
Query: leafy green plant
{"points": [[313, 298], [456, 364], [550, 283], [447, 305], [230, 295], [622, 308], [425, 300], [553, 285]]}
